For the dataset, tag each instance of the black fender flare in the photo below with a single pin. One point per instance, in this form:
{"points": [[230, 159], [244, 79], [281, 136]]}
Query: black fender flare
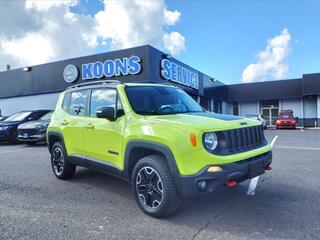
{"points": [[55, 134], [149, 145]]}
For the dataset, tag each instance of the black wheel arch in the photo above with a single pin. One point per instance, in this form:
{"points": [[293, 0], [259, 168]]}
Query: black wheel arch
{"points": [[53, 137], [137, 149]]}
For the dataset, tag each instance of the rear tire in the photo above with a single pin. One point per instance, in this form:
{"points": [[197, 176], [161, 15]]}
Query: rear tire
{"points": [[61, 167], [154, 188]]}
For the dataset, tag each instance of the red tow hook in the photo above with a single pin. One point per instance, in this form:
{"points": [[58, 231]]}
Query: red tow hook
{"points": [[231, 184], [268, 168]]}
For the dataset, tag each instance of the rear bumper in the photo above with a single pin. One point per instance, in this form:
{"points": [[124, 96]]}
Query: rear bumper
{"points": [[206, 182]]}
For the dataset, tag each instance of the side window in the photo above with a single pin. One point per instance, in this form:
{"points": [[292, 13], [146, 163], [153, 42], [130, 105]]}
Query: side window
{"points": [[102, 98], [78, 103], [66, 101]]}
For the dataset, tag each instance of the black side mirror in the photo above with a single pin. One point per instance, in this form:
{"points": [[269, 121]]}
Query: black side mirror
{"points": [[106, 112]]}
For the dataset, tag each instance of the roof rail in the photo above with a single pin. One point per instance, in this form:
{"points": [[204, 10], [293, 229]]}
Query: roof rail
{"points": [[95, 83]]}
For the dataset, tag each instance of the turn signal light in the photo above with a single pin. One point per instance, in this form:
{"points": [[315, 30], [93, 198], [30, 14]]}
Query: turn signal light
{"points": [[215, 169], [193, 139]]}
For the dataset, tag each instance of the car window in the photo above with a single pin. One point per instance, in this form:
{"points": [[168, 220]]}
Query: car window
{"points": [[18, 116], [78, 102], [155, 100], [102, 98], [66, 101], [286, 116]]}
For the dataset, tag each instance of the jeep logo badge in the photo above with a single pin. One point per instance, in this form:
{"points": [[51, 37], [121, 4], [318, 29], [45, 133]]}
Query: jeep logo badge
{"points": [[70, 73]]}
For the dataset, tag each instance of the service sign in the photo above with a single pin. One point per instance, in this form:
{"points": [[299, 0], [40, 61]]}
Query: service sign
{"points": [[176, 73], [111, 68]]}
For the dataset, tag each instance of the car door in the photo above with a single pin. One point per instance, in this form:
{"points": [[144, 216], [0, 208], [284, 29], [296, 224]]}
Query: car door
{"points": [[103, 138], [72, 122]]}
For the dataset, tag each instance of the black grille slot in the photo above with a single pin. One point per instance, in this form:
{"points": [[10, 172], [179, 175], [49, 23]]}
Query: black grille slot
{"points": [[242, 139]]}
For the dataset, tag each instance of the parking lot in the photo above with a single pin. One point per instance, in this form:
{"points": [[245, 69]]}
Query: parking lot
{"points": [[36, 205]]}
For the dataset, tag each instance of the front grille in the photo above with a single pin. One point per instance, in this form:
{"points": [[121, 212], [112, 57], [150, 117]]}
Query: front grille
{"points": [[28, 131], [240, 140]]}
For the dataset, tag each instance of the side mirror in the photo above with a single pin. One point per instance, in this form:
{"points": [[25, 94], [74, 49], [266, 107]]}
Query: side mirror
{"points": [[106, 112]]}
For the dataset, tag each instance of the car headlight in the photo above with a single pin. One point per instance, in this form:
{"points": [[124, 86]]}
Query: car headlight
{"points": [[3, 128], [42, 126], [210, 141]]}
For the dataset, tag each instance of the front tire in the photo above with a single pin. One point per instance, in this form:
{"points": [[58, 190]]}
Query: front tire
{"points": [[154, 188], [61, 168]]}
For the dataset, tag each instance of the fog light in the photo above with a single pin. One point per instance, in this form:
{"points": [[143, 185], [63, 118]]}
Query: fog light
{"points": [[215, 169], [202, 185]]}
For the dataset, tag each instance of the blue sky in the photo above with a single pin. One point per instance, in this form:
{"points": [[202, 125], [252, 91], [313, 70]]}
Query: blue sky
{"points": [[233, 41], [222, 37]]}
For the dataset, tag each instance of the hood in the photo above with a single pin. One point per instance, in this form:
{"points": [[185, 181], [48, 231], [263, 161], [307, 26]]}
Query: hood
{"points": [[32, 124], [9, 123], [204, 121]]}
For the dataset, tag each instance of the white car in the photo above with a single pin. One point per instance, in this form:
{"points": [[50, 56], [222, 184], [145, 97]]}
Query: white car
{"points": [[257, 116]]}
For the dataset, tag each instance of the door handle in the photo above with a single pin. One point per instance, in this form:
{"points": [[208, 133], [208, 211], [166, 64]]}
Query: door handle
{"points": [[64, 122], [89, 126]]}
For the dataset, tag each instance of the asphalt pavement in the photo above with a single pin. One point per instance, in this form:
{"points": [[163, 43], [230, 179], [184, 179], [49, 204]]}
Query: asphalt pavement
{"points": [[36, 205]]}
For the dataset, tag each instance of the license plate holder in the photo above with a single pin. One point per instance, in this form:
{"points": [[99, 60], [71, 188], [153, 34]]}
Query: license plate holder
{"points": [[256, 169]]}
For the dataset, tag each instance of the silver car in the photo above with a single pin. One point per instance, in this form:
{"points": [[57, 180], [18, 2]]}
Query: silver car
{"points": [[257, 116]]}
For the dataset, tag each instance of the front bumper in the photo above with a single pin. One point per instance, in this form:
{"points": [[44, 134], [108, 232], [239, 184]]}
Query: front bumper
{"points": [[31, 135], [206, 182], [4, 136], [291, 126]]}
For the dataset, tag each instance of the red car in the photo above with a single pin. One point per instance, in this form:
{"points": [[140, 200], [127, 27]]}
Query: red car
{"points": [[286, 120]]}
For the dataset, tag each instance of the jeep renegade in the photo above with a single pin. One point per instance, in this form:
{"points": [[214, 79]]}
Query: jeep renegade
{"points": [[157, 138]]}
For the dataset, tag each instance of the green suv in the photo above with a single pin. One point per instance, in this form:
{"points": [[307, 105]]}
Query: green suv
{"points": [[157, 138]]}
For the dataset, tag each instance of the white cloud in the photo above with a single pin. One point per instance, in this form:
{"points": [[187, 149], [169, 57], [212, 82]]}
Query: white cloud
{"points": [[171, 17], [271, 61], [34, 32], [174, 42]]}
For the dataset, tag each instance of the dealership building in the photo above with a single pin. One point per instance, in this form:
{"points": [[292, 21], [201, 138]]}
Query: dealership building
{"points": [[37, 87]]}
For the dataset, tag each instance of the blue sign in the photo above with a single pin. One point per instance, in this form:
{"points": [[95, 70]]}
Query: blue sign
{"points": [[112, 68], [176, 73]]}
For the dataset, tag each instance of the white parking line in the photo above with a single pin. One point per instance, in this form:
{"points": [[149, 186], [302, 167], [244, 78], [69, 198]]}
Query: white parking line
{"points": [[301, 129], [299, 148], [15, 150], [254, 181]]}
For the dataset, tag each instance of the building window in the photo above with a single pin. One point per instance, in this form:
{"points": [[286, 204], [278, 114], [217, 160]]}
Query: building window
{"points": [[205, 103], [217, 106], [235, 107]]}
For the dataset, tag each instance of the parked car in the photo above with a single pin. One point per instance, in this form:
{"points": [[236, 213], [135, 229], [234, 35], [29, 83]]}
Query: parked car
{"points": [[9, 127], [157, 138], [34, 131], [257, 116], [286, 120]]}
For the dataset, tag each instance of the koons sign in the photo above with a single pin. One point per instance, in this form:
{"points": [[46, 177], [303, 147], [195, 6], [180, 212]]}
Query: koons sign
{"points": [[176, 73], [111, 68]]}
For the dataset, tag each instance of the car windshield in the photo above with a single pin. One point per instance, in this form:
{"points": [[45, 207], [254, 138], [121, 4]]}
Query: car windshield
{"points": [[46, 117], [17, 117], [160, 100], [286, 116], [251, 115]]}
